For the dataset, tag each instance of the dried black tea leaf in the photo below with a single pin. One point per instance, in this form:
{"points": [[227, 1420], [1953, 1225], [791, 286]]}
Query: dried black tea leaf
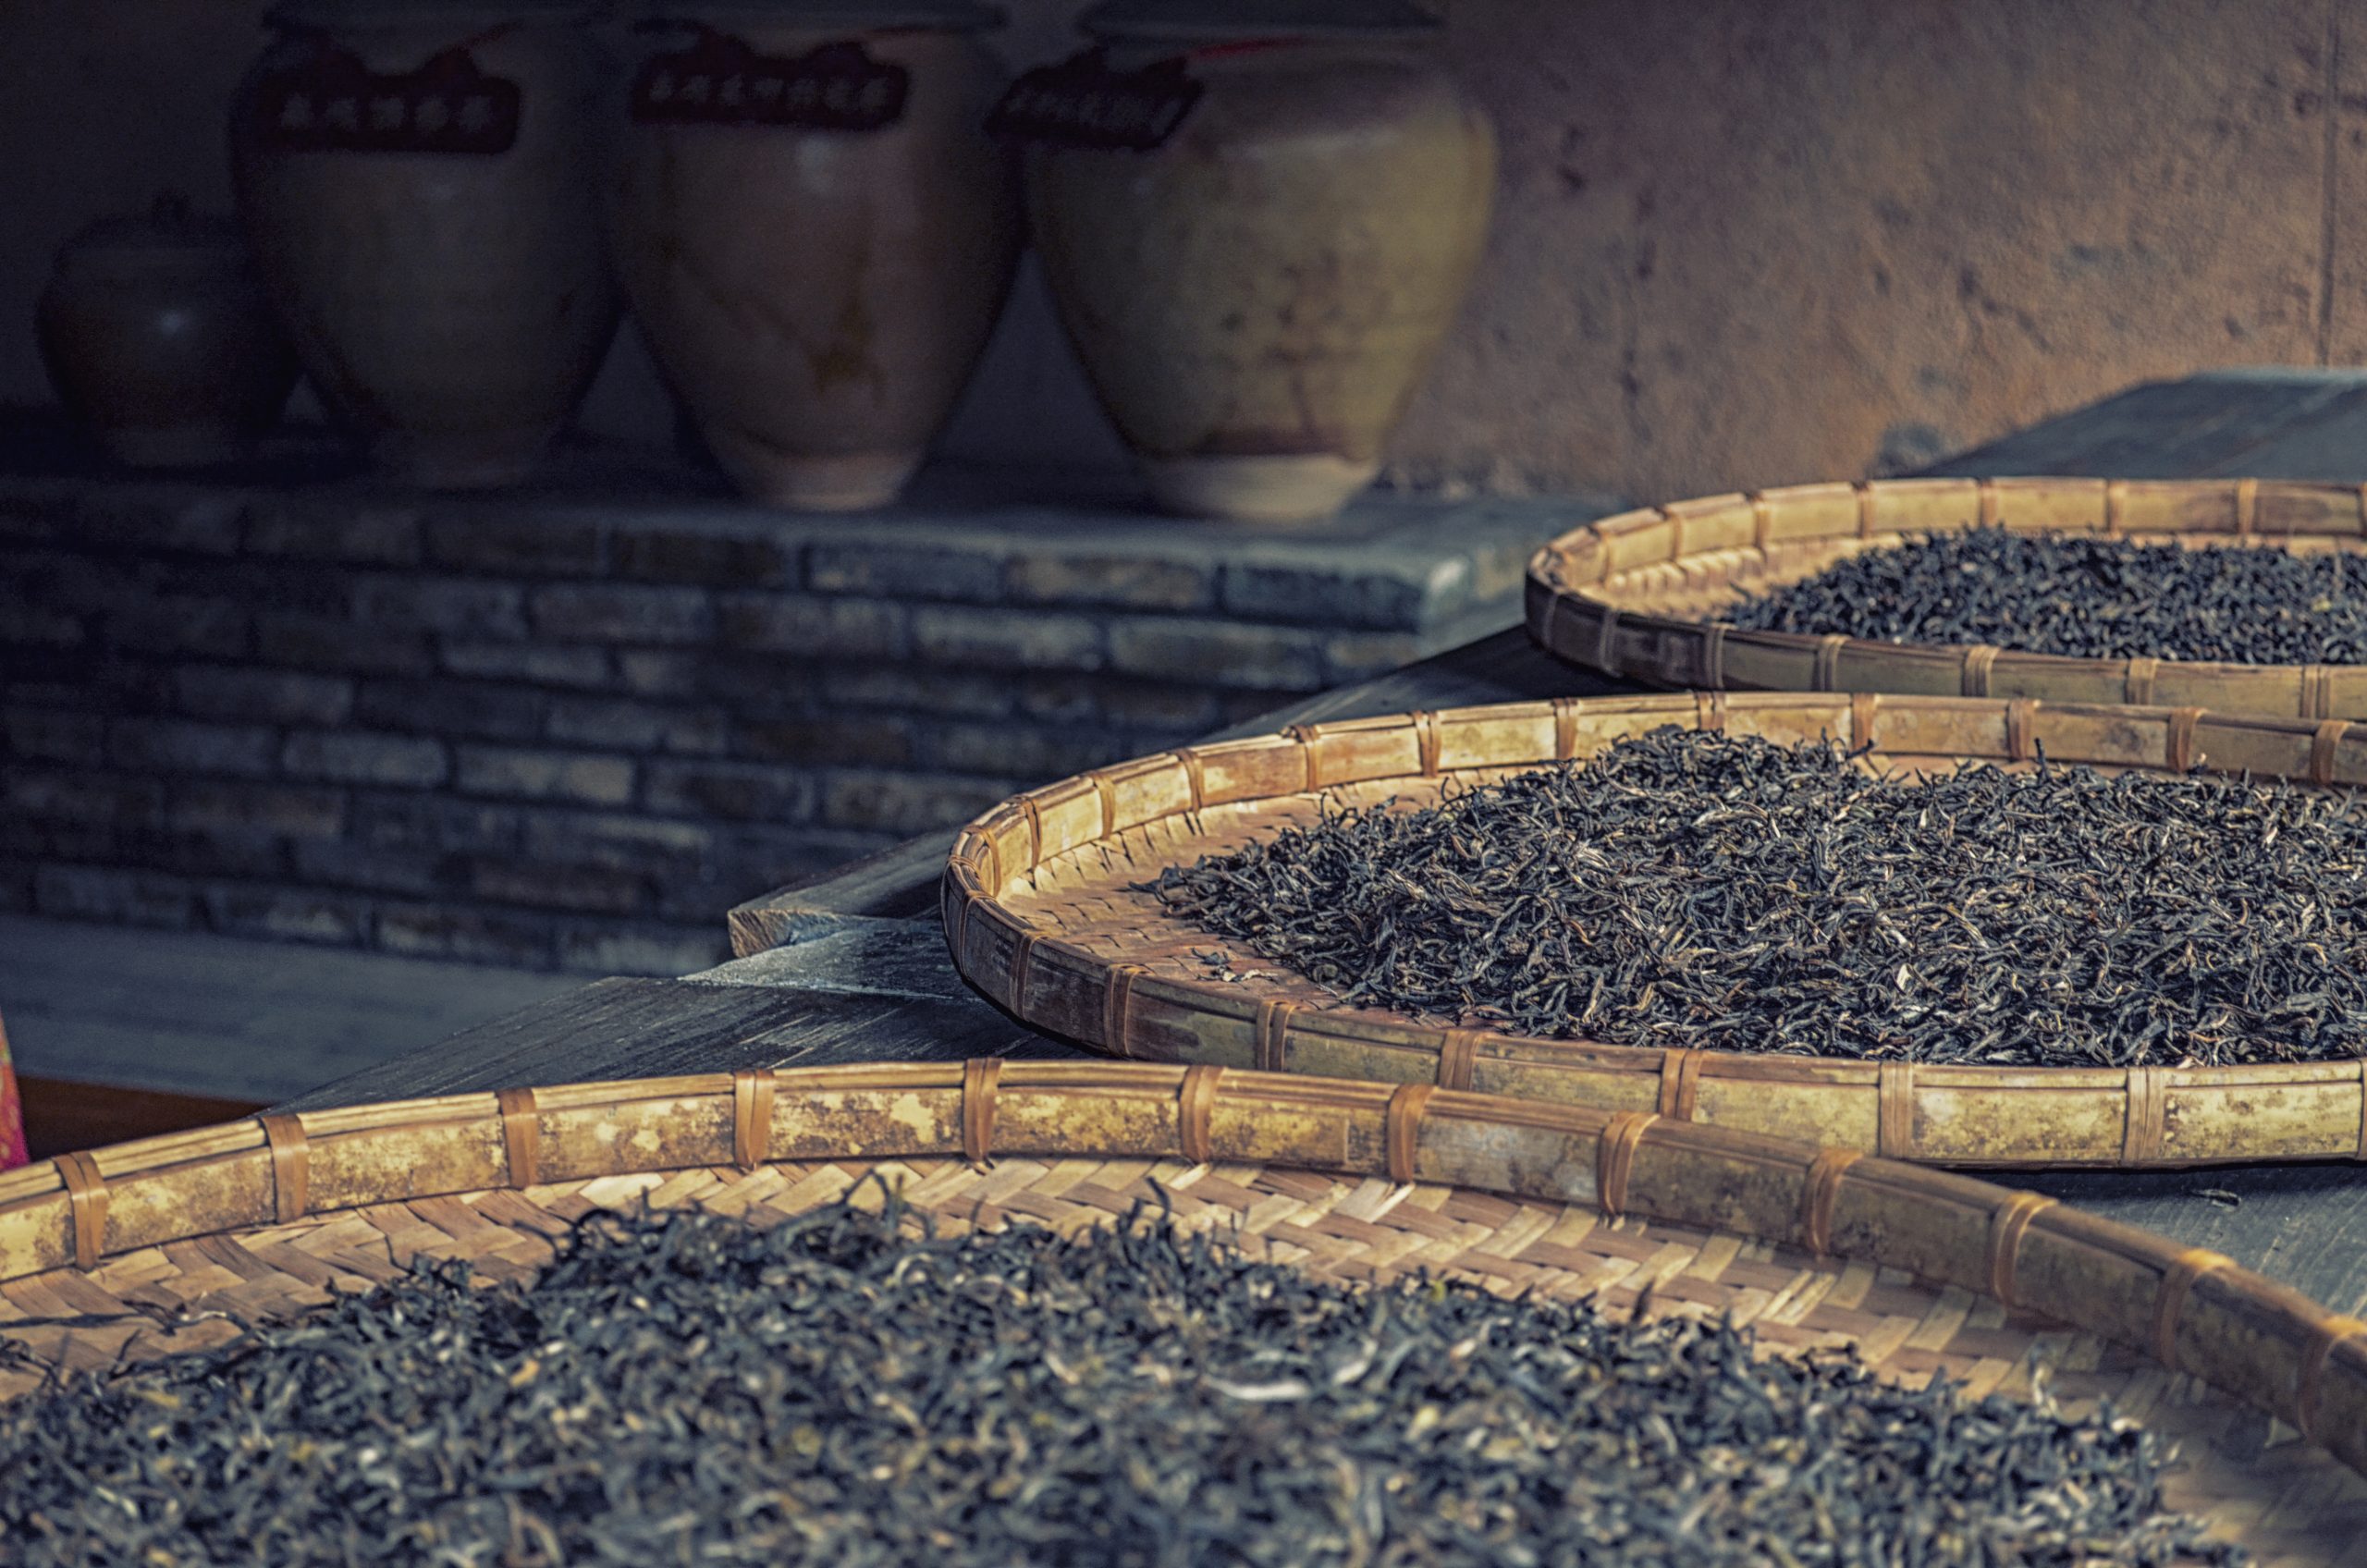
{"points": [[835, 1390], [2085, 598], [1688, 890]]}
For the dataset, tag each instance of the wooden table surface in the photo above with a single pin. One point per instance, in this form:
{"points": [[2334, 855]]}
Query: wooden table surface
{"points": [[850, 966]]}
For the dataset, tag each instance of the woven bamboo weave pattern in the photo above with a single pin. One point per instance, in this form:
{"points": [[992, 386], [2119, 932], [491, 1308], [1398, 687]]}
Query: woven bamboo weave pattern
{"points": [[1514, 1197], [1041, 914], [1639, 594]]}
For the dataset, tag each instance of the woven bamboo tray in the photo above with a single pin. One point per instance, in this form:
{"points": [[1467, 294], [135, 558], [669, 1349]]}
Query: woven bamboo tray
{"points": [[1039, 912], [1639, 594], [173, 1243]]}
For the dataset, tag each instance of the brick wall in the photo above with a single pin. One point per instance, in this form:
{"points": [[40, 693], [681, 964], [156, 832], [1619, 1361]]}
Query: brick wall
{"points": [[570, 727]]}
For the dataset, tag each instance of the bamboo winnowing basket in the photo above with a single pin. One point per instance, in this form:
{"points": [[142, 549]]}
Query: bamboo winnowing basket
{"points": [[1040, 909], [172, 1243], [1639, 594]]}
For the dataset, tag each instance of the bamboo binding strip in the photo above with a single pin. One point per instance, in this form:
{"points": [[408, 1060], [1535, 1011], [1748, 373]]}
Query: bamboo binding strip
{"points": [[1639, 594], [170, 1243], [1039, 911]]}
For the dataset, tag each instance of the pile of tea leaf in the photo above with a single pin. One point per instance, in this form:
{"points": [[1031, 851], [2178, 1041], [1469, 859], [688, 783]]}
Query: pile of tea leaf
{"points": [[2085, 598], [698, 1390], [1701, 890]]}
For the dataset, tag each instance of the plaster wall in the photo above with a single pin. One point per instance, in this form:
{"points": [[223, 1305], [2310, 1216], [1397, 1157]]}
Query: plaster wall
{"points": [[1738, 241]]}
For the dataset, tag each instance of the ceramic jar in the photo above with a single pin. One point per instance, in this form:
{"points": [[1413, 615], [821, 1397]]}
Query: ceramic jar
{"points": [[158, 336], [816, 233], [1257, 266], [419, 180]]}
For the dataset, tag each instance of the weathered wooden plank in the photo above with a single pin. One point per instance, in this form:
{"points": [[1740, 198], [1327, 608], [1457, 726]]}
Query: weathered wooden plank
{"points": [[884, 957], [655, 1028], [2305, 1224], [2220, 423], [185, 1012], [2326, 445], [895, 883]]}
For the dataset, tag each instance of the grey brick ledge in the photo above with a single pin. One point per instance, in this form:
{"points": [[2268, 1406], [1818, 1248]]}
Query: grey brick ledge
{"points": [[573, 725], [1012, 539]]}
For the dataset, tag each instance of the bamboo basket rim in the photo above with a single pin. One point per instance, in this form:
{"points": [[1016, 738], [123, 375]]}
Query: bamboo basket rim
{"points": [[1101, 1001], [1593, 593], [2190, 1310]]}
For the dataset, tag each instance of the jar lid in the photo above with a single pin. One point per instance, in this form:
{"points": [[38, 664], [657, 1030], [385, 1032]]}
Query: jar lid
{"points": [[168, 231], [1212, 21], [944, 16]]}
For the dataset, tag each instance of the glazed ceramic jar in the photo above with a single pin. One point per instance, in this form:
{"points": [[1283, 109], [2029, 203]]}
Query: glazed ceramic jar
{"points": [[419, 181], [814, 232], [157, 337], [1258, 219]]}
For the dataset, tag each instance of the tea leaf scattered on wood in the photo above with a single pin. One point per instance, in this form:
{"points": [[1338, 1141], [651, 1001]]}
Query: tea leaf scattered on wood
{"points": [[698, 1390], [2085, 598], [1691, 889]]}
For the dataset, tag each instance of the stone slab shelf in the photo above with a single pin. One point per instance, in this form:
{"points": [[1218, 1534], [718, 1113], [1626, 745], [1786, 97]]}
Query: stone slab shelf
{"points": [[570, 725]]}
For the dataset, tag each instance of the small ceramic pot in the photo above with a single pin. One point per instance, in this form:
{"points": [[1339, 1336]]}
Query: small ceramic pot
{"points": [[419, 181], [158, 336], [1257, 260], [816, 233]]}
